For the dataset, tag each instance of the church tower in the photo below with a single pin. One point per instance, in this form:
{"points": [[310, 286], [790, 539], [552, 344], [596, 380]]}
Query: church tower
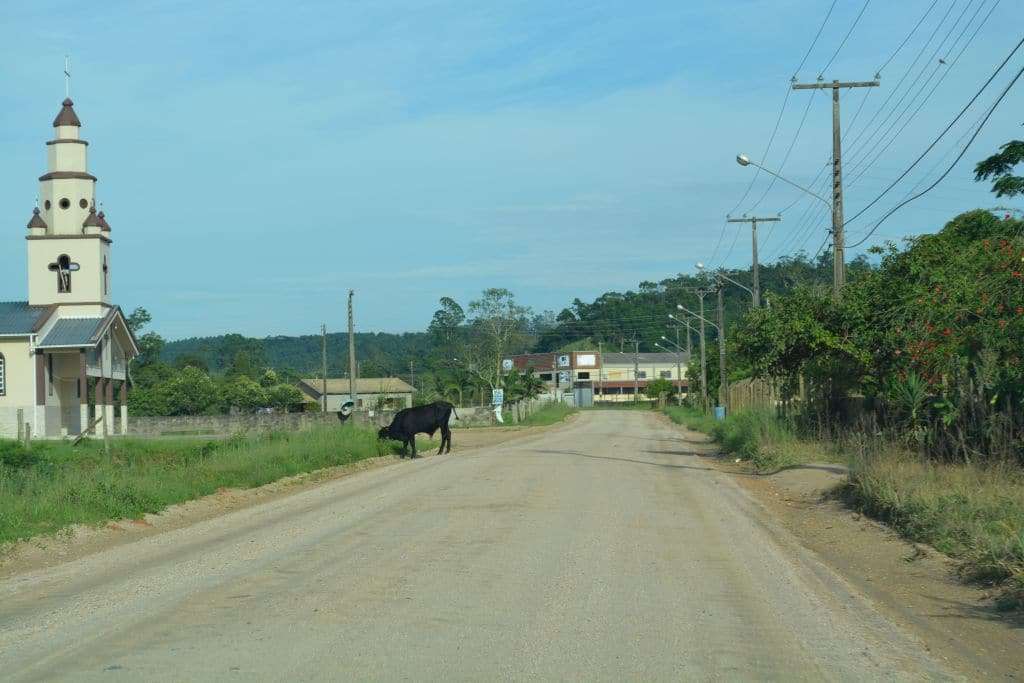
{"points": [[68, 240]]}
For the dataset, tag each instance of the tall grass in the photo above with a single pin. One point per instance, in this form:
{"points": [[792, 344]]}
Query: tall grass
{"points": [[55, 485], [548, 414], [755, 435], [974, 513]]}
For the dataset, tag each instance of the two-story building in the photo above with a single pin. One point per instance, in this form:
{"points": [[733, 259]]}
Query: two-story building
{"points": [[609, 376]]}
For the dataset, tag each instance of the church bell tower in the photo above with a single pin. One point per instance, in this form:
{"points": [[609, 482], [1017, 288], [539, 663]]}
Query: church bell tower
{"points": [[68, 240]]}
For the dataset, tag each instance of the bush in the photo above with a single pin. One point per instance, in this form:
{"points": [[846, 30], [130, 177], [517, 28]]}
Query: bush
{"points": [[14, 455]]}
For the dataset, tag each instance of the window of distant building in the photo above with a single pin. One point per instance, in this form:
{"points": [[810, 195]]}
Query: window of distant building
{"points": [[666, 374], [545, 376], [3, 376], [583, 375], [641, 374]]}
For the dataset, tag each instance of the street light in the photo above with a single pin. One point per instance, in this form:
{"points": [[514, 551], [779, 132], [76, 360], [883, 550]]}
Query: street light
{"points": [[744, 160], [700, 267]]}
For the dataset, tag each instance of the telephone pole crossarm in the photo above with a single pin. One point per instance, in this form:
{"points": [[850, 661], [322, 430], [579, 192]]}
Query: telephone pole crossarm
{"points": [[756, 270], [824, 85]]}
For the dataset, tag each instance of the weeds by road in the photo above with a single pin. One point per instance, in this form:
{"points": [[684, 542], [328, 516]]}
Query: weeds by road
{"points": [[973, 513], [54, 485], [548, 414]]}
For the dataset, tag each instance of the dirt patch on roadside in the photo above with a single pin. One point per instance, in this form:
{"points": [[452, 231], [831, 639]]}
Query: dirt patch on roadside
{"points": [[82, 540], [912, 584]]}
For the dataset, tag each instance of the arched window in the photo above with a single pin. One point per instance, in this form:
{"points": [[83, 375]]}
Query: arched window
{"points": [[3, 376]]}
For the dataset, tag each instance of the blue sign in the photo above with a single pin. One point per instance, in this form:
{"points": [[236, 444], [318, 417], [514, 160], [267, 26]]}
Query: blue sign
{"points": [[497, 396]]}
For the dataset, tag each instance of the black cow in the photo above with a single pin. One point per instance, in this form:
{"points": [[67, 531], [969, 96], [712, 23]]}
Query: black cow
{"points": [[427, 419]]}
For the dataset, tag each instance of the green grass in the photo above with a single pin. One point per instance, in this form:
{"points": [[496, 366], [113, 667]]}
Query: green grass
{"points": [[55, 485], [548, 414], [755, 435], [970, 512]]}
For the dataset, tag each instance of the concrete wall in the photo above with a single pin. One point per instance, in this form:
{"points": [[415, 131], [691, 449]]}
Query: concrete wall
{"points": [[20, 385]]}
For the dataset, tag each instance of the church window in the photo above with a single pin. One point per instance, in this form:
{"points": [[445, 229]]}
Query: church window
{"points": [[3, 376], [47, 204], [49, 368], [106, 277], [63, 266], [65, 203], [83, 203]]}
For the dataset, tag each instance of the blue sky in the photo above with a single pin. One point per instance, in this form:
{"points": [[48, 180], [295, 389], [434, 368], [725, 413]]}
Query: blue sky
{"points": [[258, 159]]}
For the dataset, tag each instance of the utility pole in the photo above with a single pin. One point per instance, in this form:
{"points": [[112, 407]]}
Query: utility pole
{"points": [[839, 255], [753, 220], [679, 364], [723, 385], [351, 353], [600, 369], [412, 376], [323, 364], [701, 293], [636, 368]]}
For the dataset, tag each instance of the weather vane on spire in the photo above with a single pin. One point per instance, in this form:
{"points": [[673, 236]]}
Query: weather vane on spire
{"points": [[67, 76]]}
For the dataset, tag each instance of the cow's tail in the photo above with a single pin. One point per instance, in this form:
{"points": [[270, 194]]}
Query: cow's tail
{"points": [[455, 413]]}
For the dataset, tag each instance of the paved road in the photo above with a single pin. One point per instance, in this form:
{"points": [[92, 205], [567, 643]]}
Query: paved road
{"points": [[601, 550]]}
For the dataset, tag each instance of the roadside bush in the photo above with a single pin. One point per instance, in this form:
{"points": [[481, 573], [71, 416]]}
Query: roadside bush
{"points": [[14, 454]]}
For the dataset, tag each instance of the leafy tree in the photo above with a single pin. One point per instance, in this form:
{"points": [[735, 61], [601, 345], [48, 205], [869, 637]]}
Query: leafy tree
{"points": [[497, 330], [191, 360], [242, 393], [138, 319], [659, 387], [1000, 166], [285, 397]]}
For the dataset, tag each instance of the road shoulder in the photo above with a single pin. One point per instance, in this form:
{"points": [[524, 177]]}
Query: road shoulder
{"points": [[912, 584]]}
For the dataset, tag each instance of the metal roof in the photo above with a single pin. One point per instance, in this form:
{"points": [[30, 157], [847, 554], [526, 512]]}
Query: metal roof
{"points": [[72, 332], [364, 385], [17, 317]]}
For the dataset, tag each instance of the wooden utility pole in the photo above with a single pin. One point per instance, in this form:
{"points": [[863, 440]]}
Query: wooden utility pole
{"points": [[323, 364], [636, 368], [351, 353], [723, 387], [753, 220], [600, 370], [701, 293], [839, 255], [412, 376]]}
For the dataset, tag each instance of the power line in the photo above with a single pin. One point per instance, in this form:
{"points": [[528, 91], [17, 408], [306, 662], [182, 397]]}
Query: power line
{"points": [[920, 21], [941, 135], [845, 38], [951, 166]]}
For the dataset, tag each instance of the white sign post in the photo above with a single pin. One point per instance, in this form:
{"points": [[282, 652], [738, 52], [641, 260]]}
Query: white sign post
{"points": [[497, 398]]}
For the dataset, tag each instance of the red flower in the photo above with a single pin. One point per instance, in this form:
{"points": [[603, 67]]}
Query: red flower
{"points": [[947, 332], [1002, 324]]}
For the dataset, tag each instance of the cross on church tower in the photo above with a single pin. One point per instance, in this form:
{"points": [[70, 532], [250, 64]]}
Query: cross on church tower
{"points": [[64, 267], [67, 75]]}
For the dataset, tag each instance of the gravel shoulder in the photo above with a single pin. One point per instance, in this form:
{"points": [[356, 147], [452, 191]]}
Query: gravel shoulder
{"points": [[911, 583]]}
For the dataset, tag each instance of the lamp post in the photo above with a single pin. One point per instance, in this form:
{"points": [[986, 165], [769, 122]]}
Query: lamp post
{"points": [[679, 356], [838, 259]]}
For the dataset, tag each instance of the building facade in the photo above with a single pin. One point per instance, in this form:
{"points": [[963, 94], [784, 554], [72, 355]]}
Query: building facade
{"points": [[609, 376], [64, 353], [371, 393]]}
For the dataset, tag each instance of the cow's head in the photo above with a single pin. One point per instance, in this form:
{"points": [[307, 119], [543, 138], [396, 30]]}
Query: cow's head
{"points": [[384, 432]]}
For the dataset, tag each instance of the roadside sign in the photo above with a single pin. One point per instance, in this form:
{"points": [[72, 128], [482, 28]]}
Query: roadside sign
{"points": [[563, 361], [507, 365], [497, 396], [563, 376]]}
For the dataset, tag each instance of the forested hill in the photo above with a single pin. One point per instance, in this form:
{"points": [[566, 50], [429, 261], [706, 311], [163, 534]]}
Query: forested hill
{"points": [[616, 319], [378, 353]]}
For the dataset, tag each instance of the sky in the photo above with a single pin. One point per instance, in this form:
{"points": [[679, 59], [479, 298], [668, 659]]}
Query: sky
{"points": [[256, 160]]}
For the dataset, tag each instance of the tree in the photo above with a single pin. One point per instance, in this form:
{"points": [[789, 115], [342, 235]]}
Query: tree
{"points": [[497, 330], [191, 360], [285, 397], [659, 387], [242, 393], [1000, 167], [138, 319]]}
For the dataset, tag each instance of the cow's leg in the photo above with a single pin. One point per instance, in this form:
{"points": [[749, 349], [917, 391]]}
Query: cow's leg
{"points": [[446, 438], [412, 440]]}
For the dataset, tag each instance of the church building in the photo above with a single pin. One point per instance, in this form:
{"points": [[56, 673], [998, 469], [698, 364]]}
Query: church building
{"points": [[64, 353]]}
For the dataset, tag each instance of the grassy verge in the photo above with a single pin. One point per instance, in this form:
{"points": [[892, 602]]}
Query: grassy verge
{"points": [[548, 414], [54, 485], [758, 436], [970, 512]]}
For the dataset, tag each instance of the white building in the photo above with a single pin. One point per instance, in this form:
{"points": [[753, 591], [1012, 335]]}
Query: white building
{"points": [[64, 352], [371, 392]]}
